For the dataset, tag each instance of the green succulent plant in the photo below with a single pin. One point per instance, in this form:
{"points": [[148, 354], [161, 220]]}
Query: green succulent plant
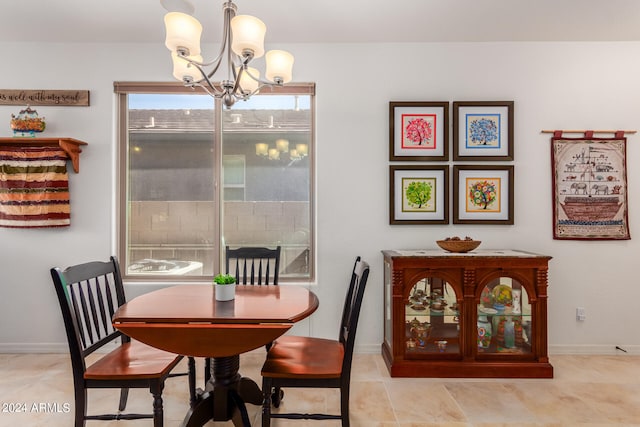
{"points": [[224, 279]]}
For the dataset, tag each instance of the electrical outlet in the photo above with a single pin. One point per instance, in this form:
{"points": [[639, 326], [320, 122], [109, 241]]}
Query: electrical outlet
{"points": [[580, 314]]}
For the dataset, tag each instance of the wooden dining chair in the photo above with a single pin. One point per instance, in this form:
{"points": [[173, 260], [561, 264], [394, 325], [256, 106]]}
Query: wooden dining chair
{"points": [[250, 266], [312, 362], [89, 294], [253, 266]]}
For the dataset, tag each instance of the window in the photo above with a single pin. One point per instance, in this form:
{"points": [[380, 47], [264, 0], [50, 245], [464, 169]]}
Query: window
{"points": [[233, 169], [175, 145]]}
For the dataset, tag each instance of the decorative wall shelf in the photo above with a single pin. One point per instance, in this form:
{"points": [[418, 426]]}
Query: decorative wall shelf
{"points": [[69, 145]]}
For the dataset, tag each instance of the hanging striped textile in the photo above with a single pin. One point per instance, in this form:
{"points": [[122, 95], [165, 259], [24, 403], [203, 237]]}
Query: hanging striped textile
{"points": [[34, 187]]}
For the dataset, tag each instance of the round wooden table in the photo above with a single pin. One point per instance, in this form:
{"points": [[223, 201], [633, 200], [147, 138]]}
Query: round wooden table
{"points": [[188, 320]]}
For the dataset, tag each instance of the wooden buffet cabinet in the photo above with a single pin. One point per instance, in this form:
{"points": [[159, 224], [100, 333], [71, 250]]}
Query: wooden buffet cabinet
{"points": [[479, 314]]}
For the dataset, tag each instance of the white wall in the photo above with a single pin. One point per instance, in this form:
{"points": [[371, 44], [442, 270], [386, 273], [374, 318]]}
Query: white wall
{"points": [[554, 86]]}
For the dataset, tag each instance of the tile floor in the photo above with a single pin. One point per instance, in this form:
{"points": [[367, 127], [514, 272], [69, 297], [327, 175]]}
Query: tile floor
{"points": [[586, 391]]}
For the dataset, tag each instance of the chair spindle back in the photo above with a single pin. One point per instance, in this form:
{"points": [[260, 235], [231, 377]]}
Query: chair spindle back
{"points": [[253, 266], [89, 294]]}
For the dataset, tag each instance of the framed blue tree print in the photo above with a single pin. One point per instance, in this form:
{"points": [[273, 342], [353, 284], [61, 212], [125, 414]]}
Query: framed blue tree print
{"points": [[483, 130]]}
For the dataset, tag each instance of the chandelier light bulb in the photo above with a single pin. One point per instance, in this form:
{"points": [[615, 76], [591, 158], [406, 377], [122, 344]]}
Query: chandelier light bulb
{"points": [[262, 149], [302, 149], [279, 66], [247, 83], [282, 145], [183, 70], [274, 154], [248, 35], [182, 32]]}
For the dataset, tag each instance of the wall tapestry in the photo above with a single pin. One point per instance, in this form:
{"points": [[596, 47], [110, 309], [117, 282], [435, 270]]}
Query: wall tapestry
{"points": [[589, 187], [34, 187]]}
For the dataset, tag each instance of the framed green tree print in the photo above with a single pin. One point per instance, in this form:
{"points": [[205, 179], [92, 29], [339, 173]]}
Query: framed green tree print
{"points": [[419, 194]]}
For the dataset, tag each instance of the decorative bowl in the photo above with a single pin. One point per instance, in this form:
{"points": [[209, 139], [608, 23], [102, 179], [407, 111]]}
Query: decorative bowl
{"points": [[458, 245], [502, 294]]}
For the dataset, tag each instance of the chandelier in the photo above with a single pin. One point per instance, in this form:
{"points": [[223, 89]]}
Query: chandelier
{"points": [[242, 42], [282, 148]]}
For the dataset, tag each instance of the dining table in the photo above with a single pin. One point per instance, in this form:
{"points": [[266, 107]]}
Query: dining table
{"points": [[188, 320]]}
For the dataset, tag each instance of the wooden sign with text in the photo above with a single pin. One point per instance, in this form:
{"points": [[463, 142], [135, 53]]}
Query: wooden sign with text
{"points": [[53, 98]]}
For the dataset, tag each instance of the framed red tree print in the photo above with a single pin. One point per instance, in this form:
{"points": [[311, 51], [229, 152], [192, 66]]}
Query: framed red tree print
{"points": [[419, 131]]}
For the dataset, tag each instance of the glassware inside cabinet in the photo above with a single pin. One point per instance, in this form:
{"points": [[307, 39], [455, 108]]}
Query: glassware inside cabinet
{"points": [[432, 319], [504, 318]]}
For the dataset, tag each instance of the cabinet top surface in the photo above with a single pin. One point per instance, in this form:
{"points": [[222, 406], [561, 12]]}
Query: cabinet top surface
{"points": [[479, 253]]}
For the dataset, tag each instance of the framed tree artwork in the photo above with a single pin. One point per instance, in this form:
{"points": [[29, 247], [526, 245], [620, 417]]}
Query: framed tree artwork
{"points": [[419, 194], [483, 130], [483, 194], [419, 131]]}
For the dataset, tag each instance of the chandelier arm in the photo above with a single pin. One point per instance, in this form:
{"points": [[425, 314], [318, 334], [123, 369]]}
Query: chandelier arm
{"points": [[236, 78], [225, 44], [217, 61], [204, 87], [206, 79], [236, 70], [229, 13], [199, 65], [262, 82]]}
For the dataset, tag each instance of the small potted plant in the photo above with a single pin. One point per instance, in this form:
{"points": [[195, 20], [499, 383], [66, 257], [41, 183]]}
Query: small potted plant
{"points": [[225, 287]]}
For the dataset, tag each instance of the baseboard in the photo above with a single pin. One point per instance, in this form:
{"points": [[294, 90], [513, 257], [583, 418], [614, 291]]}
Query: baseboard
{"points": [[19, 348], [600, 349], [39, 348], [34, 348], [367, 349]]}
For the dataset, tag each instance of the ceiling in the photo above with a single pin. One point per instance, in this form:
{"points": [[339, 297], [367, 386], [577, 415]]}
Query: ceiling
{"points": [[331, 21]]}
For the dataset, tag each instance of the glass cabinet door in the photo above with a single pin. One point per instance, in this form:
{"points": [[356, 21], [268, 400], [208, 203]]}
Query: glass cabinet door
{"points": [[432, 320], [504, 318]]}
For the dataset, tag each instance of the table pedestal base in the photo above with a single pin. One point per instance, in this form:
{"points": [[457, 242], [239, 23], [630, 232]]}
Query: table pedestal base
{"points": [[225, 396]]}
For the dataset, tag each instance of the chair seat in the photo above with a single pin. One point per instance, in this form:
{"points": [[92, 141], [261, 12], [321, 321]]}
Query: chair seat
{"points": [[132, 360], [304, 357]]}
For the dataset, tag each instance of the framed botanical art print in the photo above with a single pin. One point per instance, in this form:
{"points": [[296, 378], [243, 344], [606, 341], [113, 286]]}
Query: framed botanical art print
{"points": [[483, 194], [419, 131], [419, 194], [483, 130]]}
